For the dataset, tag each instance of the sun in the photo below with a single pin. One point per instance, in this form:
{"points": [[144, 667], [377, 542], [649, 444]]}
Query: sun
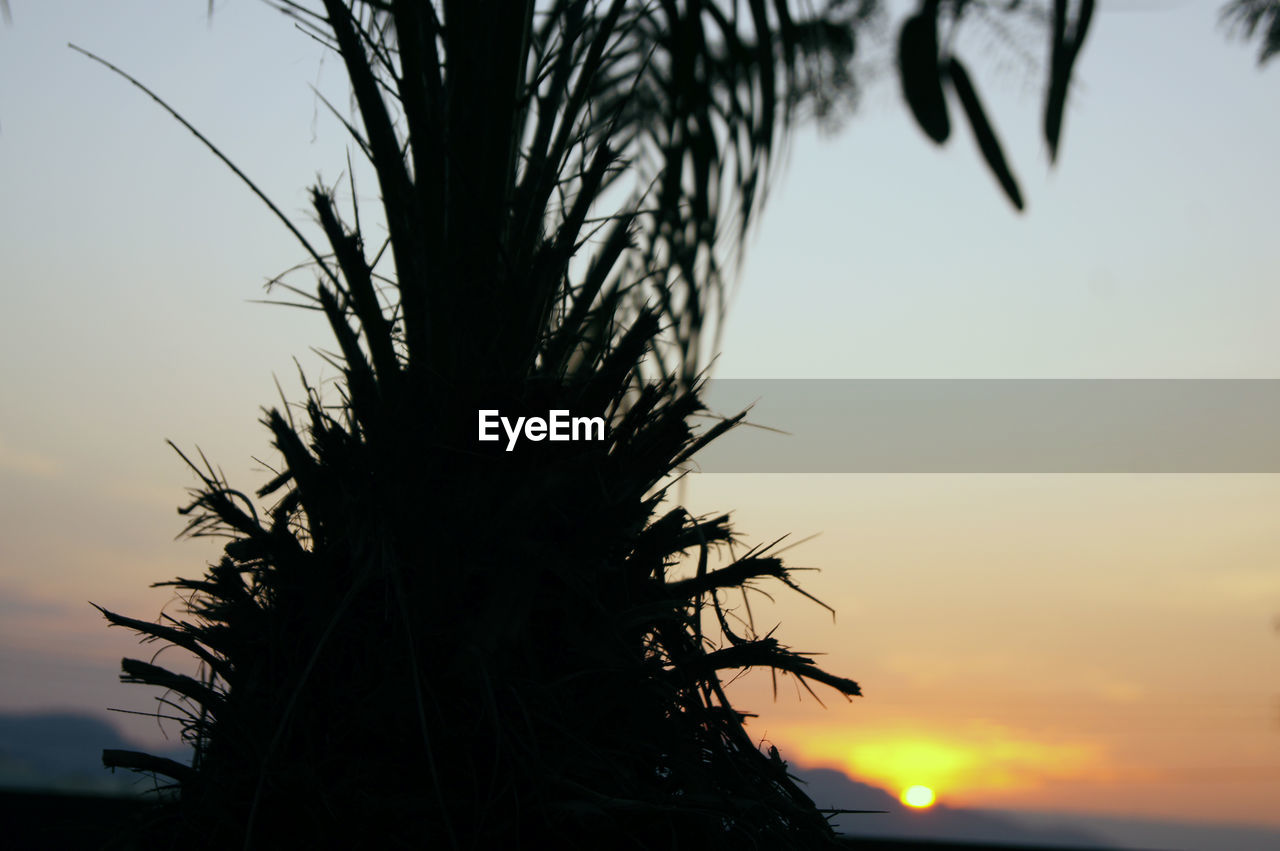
{"points": [[918, 797]]}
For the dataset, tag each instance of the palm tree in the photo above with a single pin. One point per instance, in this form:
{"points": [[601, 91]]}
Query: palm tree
{"points": [[421, 637]]}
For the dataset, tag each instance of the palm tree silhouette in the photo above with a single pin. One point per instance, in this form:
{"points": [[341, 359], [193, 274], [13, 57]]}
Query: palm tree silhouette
{"points": [[414, 636]]}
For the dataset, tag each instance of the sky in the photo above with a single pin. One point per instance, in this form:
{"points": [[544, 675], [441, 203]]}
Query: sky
{"points": [[1091, 643]]}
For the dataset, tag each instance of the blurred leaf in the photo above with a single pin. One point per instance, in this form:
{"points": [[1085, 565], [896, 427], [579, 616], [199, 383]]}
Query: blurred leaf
{"points": [[982, 131], [920, 73], [1064, 49], [1245, 17]]}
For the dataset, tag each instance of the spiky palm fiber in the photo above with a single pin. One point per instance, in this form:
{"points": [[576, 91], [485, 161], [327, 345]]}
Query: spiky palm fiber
{"points": [[488, 647], [431, 640]]}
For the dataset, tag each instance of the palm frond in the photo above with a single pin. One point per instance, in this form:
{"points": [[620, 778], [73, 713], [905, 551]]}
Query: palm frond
{"points": [[1246, 18]]}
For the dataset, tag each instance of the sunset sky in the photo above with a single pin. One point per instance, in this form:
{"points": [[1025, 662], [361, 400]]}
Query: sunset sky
{"points": [[1093, 643]]}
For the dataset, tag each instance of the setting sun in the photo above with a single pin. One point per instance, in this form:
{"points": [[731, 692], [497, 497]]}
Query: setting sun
{"points": [[918, 796]]}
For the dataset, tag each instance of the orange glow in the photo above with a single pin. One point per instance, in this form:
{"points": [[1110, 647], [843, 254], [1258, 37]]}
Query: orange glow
{"points": [[902, 762], [974, 760], [917, 796]]}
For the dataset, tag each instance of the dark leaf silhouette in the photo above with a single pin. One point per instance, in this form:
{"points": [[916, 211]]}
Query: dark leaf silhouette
{"points": [[982, 132], [924, 63], [921, 73], [1064, 48], [1249, 17]]}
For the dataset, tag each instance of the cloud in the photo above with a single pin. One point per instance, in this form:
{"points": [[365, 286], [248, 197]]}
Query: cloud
{"points": [[17, 600]]}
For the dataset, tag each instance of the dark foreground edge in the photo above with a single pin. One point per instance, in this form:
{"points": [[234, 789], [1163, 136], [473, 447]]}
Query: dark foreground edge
{"points": [[75, 822]]}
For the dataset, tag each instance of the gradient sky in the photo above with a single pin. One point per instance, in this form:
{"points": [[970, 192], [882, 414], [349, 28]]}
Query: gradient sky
{"points": [[1093, 643]]}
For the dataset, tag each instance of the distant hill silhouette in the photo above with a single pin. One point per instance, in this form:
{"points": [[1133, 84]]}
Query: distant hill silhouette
{"points": [[833, 789], [1148, 833], [63, 751]]}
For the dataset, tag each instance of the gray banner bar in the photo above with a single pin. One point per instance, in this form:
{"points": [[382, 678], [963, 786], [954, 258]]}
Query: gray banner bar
{"points": [[997, 426]]}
